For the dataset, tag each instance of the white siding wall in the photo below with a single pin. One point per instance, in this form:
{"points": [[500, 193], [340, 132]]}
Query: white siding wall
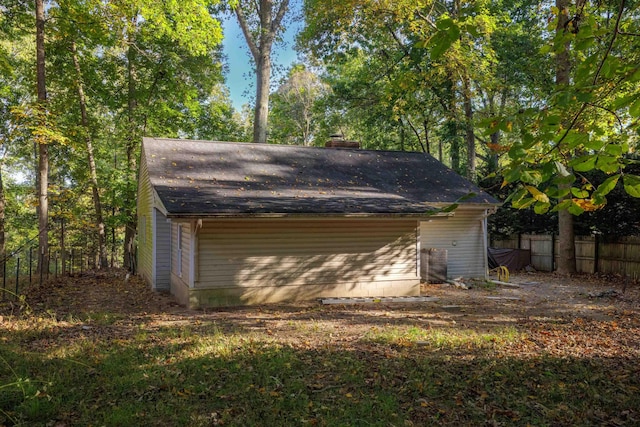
{"points": [[181, 275], [162, 248], [463, 237], [301, 252]]}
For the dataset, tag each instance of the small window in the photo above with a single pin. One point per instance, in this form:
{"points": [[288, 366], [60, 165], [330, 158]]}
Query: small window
{"points": [[179, 254]]}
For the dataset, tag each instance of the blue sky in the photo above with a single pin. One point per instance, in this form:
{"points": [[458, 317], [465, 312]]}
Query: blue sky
{"points": [[240, 77]]}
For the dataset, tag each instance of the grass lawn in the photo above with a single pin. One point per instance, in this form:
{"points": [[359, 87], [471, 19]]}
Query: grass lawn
{"points": [[70, 358]]}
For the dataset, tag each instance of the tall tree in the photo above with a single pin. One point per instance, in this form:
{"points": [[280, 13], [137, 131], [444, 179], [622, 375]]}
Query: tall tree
{"points": [[566, 239], [261, 22], [91, 161], [162, 46], [43, 147], [588, 124], [293, 119]]}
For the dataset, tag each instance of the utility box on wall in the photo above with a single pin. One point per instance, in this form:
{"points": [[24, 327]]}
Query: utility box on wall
{"points": [[433, 265]]}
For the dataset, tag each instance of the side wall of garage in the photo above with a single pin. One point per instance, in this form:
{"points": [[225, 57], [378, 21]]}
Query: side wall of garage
{"points": [[251, 261]]}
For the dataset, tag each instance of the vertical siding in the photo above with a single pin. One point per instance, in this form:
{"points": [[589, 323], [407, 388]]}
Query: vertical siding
{"points": [[162, 248], [463, 238], [183, 277], [145, 232], [263, 253]]}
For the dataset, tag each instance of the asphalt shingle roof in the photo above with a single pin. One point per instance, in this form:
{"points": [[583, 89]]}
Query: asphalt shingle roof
{"points": [[207, 178]]}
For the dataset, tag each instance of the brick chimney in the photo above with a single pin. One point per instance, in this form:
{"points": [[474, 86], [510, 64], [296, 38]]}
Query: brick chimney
{"points": [[337, 141]]}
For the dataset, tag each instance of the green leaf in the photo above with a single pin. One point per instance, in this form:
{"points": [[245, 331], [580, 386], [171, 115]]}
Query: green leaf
{"points": [[448, 33], [632, 185], [562, 205], [573, 139], [523, 203], [574, 209], [517, 195], [517, 152], [595, 144], [584, 163], [452, 207], [513, 175], [521, 199], [541, 208], [579, 193], [613, 149], [446, 23], [472, 29], [609, 66], [557, 192], [552, 120], [537, 194], [564, 180], [634, 109], [624, 101], [607, 164], [607, 186], [531, 177], [439, 44]]}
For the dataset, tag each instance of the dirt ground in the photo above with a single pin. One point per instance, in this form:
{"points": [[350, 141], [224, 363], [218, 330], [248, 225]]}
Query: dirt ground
{"points": [[530, 297]]}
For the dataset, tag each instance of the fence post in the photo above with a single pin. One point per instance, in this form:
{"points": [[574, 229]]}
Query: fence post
{"points": [[17, 276], [553, 251], [40, 264], [596, 253]]}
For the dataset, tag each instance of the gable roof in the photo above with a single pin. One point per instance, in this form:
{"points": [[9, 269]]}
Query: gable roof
{"points": [[211, 178]]}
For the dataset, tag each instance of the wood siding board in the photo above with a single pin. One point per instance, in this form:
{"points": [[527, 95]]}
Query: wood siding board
{"points": [[468, 257]]}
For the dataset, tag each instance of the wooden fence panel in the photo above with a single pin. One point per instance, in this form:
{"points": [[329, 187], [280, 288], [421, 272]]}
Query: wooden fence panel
{"points": [[592, 255], [585, 254], [541, 247], [621, 257], [508, 243]]}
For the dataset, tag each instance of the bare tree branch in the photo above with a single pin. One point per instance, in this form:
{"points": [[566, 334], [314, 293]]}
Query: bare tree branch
{"points": [[255, 52]]}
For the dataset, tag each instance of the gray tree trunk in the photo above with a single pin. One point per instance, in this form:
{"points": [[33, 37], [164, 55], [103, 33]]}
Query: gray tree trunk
{"points": [[93, 174], [131, 144], [261, 113], [260, 41], [43, 148], [566, 241], [468, 125], [3, 251]]}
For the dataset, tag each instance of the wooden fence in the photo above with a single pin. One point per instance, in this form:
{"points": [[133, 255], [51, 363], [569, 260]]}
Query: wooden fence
{"points": [[593, 255]]}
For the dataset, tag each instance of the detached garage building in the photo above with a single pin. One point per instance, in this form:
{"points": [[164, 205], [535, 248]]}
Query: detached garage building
{"points": [[225, 223]]}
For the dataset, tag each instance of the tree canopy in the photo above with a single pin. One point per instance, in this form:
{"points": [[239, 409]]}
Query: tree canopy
{"points": [[537, 102]]}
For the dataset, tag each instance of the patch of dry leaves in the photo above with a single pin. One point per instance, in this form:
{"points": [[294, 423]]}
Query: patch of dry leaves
{"points": [[556, 314]]}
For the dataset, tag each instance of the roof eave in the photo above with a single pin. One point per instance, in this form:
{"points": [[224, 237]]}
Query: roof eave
{"points": [[484, 205], [306, 215]]}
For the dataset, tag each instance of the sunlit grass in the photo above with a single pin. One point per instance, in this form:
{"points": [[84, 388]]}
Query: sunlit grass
{"points": [[54, 372], [440, 338]]}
